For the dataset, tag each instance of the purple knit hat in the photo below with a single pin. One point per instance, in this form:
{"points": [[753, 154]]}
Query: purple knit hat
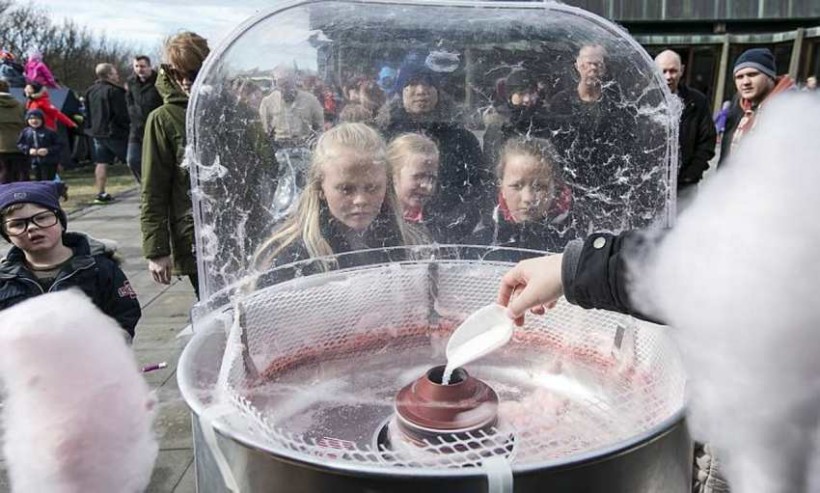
{"points": [[42, 193]]}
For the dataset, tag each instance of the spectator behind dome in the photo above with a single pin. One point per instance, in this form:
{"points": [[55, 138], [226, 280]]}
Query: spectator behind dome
{"points": [[387, 80], [37, 71], [532, 210], [349, 204], [420, 106]]}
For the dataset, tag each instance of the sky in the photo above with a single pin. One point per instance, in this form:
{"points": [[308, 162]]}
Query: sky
{"points": [[145, 23]]}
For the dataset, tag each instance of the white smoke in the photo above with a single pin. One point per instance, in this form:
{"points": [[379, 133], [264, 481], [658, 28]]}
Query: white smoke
{"points": [[77, 414], [739, 280]]}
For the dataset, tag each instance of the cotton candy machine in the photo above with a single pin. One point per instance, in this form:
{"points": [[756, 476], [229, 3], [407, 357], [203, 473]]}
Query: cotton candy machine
{"points": [[343, 394], [325, 375]]}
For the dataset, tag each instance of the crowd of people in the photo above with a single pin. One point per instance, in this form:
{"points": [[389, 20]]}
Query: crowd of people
{"points": [[391, 161]]}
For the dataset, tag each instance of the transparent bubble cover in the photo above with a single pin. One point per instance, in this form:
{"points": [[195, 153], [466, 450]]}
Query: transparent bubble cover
{"points": [[617, 144]]}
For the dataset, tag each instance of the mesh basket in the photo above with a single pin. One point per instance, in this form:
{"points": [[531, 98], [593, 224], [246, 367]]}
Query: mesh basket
{"points": [[313, 364]]}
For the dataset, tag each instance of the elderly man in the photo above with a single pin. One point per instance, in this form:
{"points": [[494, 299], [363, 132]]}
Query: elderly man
{"points": [[420, 106], [756, 81], [290, 115], [109, 124], [697, 137], [596, 131]]}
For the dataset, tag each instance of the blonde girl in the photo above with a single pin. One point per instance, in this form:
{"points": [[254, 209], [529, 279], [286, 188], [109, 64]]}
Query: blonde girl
{"points": [[348, 203], [414, 163]]}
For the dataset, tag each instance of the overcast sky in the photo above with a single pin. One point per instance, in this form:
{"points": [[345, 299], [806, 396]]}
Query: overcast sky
{"points": [[144, 23]]}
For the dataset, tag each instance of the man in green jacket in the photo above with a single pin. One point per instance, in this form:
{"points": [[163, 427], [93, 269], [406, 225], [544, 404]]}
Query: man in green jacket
{"points": [[13, 164], [166, 215]]}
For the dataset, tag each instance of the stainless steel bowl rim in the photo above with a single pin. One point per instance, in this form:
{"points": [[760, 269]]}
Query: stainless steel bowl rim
{"points": [[189, 394]]}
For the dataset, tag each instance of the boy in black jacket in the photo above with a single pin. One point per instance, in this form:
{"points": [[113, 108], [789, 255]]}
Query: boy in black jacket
{"points": [[41, 145], [45, 258]]}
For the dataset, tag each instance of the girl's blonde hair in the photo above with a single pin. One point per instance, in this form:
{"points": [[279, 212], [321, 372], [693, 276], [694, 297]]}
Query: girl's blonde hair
{"points": [[406, 145], [305, 223], [540, 149]]}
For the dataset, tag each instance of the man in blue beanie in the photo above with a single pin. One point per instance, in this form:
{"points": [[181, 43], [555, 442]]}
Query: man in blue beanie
{"points": [[45, 258], [756, 80]]}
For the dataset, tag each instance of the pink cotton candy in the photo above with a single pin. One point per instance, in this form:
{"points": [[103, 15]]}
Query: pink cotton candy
{"points": [[77, 413]]}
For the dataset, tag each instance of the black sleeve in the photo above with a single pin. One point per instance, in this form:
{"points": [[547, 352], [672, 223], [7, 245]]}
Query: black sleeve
{"points": [[705, 143], [119, 109], [120, 299], [134, 110], [23, 142], [595, 273]]}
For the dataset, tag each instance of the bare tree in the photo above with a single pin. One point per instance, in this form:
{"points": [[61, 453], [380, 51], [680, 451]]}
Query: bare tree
{"points": [[70, 50]]}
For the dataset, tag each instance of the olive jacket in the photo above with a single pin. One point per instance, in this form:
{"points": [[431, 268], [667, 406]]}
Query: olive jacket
{"points": [[166, 216]]}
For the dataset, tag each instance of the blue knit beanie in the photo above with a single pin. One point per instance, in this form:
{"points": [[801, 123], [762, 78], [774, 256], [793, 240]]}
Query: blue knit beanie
{"points": [[42, 193], [36, 113], [760, 59], [415, 72]]}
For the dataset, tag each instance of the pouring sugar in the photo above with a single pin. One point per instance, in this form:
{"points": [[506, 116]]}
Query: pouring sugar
{"points": [[486, 330]]}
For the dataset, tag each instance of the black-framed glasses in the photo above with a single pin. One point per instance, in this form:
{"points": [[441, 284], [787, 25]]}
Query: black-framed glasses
{"points": [[16, 227]]}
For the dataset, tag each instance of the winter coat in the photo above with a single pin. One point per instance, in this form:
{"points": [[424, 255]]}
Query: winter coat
{"points": [[37, 71], [39, 138], [498, 229], [42, 101], [12, 122], [142, 98], [12, 73], [98, 276], [107, 111], [465, 180], [383, 233], [166, 217], [697, 137], [595, 271], [741, 108]]}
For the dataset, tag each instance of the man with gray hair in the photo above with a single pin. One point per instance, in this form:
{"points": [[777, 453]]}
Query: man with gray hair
{"points": [[108, 125], [697, 137]]}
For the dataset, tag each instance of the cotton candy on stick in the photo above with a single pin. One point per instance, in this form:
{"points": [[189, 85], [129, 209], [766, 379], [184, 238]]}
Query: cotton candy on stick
{"points": [[77, 414]]}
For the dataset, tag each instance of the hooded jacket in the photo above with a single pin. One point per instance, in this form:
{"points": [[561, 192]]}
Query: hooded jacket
{"points": [[12, 122], [142, 98], [97, 275], [107, 111], [37, 71], [41, 100], [166, 216], [40, 138]]}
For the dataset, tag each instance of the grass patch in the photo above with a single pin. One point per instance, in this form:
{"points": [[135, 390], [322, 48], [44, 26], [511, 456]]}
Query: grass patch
{"points": [[81, 190]]}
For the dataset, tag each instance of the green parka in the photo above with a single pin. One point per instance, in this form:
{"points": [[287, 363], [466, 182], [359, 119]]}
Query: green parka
{"points": [[11, 122], [166, 213]]}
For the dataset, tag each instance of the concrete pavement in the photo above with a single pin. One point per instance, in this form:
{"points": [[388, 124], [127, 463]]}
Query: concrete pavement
{"points": [[165, 312]]}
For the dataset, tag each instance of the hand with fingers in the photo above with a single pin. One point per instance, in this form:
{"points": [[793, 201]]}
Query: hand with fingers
{"points": [[160, 269], [533, 284]]}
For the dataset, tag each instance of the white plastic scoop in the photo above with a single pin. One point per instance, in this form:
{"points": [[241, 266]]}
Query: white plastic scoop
{"points": [[486, 330]]}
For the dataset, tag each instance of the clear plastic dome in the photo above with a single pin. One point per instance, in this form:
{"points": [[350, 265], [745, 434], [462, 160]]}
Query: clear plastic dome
{"points": [[530, 124]]}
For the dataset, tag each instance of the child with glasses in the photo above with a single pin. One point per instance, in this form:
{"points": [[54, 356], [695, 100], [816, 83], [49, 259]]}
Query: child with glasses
{"points": [[45, 258]]}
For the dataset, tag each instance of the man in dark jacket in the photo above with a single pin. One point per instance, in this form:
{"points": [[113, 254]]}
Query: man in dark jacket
{"points": [[142, 98], [697, 137], [756, 81], [108, 124], [465, 181]]}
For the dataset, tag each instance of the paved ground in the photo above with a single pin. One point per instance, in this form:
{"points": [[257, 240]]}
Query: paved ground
{"points": [[165, 311]]}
